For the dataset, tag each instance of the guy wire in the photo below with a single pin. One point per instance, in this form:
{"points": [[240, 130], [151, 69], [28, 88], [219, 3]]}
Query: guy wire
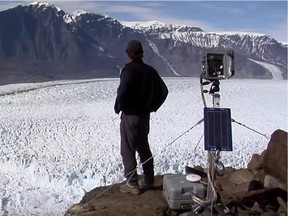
{"points": [[108, 188], [250, 128], [169, 144]]}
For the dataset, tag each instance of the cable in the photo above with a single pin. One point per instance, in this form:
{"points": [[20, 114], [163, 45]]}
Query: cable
{"points": [[202, 90], [210, 180], [213, 159], [134, 170], [214, 89], [250, 129]]}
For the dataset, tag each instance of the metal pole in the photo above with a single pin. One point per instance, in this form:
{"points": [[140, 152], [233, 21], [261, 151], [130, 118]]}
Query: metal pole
{"points": [[216, 100], [211, 163]]}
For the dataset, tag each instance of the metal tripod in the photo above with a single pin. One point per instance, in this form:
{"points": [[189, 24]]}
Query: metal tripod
{"points": [[206, 207]]}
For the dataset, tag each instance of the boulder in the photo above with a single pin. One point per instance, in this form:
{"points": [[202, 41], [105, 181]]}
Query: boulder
{"points": [[109, 201], [255, 162], [241, 176], [275, 158]]}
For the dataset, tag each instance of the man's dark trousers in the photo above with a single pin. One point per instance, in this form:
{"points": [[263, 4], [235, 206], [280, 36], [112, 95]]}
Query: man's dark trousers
{"points": [[134, 130]]}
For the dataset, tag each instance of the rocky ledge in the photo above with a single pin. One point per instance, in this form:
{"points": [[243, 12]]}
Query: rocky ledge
{"points": [[260, 189]]}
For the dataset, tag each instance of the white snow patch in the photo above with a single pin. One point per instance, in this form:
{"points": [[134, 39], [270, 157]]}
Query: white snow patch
{"points": [[68, 18], [158, 24], [155, 49], [274, 70], [253, 34], [77, 13], [139, 24], [40, 4]]}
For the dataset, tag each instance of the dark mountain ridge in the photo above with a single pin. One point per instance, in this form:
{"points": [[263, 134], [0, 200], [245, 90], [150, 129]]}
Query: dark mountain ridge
{"points": [[40, 42]]}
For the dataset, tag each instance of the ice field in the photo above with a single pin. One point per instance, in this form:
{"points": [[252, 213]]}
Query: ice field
{"points": [[60, 139]]}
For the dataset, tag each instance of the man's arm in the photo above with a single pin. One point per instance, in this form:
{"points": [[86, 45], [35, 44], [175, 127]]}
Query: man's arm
{"points": [[122, 91], [160, 92]]}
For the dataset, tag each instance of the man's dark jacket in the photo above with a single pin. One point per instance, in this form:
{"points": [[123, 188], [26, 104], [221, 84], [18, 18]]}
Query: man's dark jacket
{"points": [[141, 89]]}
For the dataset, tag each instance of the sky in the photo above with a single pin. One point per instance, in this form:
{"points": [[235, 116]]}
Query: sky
{"points": [[264, 17]]}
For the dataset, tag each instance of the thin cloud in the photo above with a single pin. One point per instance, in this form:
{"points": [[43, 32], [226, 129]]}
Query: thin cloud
{"points": [[128, 9], [6, 5], [278, 31], [140, 12], [216, 7]]}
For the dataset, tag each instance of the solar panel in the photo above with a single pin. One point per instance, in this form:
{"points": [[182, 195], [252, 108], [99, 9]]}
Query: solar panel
{"points": [[217, 129]]}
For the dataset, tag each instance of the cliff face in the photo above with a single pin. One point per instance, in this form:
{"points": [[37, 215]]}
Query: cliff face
{"points": [[40, 42]]}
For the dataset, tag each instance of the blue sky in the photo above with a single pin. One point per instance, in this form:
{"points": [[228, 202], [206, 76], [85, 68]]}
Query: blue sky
{"points": [[266, 17]]}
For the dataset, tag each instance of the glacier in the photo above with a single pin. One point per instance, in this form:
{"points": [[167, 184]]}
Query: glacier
{"points": [[61, 139]]}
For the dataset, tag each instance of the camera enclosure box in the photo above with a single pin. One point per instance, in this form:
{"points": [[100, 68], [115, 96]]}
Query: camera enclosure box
{"points": [[178, 191], [217, 66]]}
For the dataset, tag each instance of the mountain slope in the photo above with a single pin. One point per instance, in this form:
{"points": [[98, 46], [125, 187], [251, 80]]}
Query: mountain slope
{"points": [[40, 42], [37, 43], [193, 42]]}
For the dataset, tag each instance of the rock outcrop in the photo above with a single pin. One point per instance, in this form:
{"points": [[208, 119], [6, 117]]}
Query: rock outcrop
{"points": [[275, 158], [260, 189]]}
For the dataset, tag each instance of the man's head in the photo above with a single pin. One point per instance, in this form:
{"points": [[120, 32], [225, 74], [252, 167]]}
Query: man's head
{"points": [[134, 49]]}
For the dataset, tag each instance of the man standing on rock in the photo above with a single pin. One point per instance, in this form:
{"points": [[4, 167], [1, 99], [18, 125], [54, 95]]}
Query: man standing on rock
{"points": [[141, 91]]}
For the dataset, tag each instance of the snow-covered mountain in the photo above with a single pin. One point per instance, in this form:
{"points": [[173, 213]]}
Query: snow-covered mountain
{"points": [[184, 39], [41, 42]]}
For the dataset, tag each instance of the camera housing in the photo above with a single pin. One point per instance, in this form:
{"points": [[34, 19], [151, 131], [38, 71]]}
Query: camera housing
{"points": [[217, 66]]}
